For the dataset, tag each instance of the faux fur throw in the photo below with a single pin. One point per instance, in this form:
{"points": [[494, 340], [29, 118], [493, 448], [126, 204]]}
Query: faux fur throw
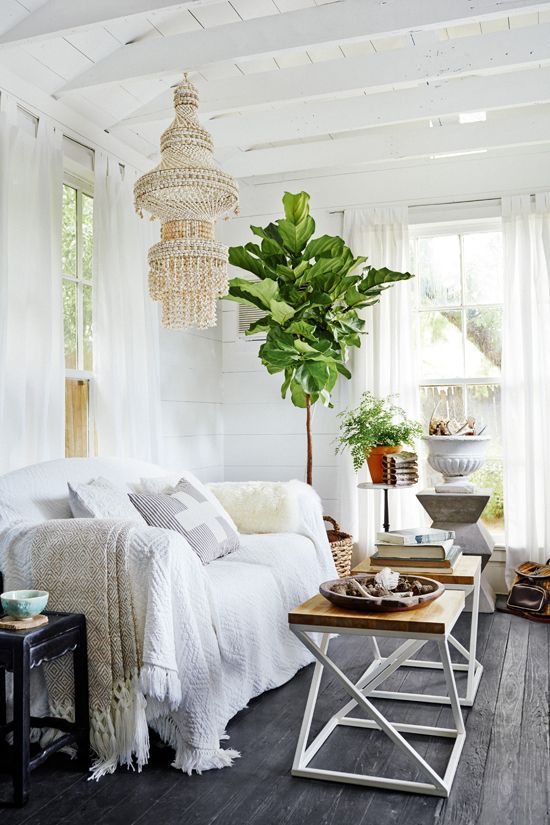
{"points": [[260, 506], [84, 567]]}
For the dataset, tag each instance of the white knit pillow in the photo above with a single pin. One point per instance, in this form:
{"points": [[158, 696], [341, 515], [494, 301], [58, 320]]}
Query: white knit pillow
{"points": [[102, 499]]}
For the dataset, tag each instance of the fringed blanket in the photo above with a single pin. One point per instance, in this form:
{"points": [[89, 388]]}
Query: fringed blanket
{"points": [[85, 570], [133, 585]]}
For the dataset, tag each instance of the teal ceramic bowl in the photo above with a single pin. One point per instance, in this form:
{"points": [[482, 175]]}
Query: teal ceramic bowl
{"points": [[24, 604]]}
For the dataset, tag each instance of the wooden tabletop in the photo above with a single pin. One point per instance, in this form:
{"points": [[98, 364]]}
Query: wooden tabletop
{"points": [[437, 617], [464, 571]]}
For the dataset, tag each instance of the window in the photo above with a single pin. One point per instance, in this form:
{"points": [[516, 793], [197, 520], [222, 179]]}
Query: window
{"points": [[77, 247], [459, 323]]}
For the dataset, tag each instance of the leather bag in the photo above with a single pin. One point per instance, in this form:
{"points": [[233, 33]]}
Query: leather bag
{"points": [[530, 593]]}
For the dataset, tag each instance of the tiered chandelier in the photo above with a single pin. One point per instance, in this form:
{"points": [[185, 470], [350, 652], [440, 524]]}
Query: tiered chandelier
{"points": [[187, 191]]}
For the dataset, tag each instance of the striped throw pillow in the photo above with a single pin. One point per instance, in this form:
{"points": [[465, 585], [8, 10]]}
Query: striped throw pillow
{"points": [[189, 512]]}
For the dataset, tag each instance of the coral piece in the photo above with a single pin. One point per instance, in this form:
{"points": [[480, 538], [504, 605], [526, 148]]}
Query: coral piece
{"points": [[387, 578]]}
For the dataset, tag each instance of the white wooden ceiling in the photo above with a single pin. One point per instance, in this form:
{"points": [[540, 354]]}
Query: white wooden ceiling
{"points": [[293, 86]]}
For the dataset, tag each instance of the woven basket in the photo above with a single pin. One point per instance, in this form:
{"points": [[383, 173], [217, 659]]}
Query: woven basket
{"points": [[341, 545]]}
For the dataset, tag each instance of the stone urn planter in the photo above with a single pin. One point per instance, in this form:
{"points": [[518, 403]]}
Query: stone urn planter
{"points": [[374, 460], [456, 457]]}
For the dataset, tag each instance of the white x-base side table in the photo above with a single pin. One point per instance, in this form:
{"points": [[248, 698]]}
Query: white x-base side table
{"points": [[434, 622], [466, 576]]}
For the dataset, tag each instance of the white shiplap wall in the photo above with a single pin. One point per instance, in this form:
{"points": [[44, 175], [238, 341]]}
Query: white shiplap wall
{"points": [[191, 393]]}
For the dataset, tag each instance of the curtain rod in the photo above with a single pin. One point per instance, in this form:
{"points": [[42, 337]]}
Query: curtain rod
{"points": [[342, 209]]}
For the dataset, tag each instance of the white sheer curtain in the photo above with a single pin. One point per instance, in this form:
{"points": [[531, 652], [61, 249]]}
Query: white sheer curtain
{"points": [[126, 394], [526, 378], [384, 364], [31, 341]]}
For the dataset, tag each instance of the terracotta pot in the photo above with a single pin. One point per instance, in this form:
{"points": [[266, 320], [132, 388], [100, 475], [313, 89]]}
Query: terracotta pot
{"points": [[374, 461]]}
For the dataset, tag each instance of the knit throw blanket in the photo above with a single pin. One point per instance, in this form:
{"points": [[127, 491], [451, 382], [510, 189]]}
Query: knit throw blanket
{"points": [[85, 570]]}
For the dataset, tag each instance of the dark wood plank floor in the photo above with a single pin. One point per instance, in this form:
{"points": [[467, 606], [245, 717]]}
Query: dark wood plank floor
{"points": [[503, 777]]}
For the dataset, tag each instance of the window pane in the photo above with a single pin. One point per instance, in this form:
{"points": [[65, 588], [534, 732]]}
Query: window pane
{"points": [[87, 326], [483, 402], [70, 324], [490, 477], [483, 267], [68, 234], [438, 266], [76, 417], [484, 342], [87, 235], [441, 344]]}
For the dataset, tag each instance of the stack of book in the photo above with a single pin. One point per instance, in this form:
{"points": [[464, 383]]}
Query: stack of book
{"points": [[418, 549], [400, 469]]}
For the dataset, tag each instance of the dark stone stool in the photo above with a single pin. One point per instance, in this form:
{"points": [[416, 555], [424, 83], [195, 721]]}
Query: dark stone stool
{"points": [[20, 651], [461, 512]]}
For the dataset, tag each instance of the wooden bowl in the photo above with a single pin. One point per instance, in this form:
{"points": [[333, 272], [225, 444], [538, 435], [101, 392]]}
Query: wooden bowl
{"points": [[380, 604]]}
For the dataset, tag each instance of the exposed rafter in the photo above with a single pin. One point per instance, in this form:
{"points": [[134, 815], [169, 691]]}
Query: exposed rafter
{"points": [[398, 143], [377, 72], [346, 21], [58, 17], [318, 118]]}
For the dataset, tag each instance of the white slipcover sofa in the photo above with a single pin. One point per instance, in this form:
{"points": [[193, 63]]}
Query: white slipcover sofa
{"points": [[249, 593]]}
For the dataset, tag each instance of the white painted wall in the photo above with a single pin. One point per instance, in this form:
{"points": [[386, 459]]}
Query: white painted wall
{"points": [[191, 393]]}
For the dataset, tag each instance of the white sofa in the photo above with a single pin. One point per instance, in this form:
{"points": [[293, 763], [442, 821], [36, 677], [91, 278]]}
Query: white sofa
{"points": [[250, 591]]}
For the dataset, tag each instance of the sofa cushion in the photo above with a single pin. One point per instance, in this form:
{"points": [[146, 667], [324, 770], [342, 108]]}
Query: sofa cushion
{"points": [[102, 499], [189, 512]]}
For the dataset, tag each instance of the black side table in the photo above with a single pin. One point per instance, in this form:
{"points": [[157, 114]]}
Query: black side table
{"points": [[19, 652]]}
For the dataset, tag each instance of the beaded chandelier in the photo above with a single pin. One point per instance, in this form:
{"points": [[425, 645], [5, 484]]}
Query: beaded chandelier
{"points": [[187, 191]]}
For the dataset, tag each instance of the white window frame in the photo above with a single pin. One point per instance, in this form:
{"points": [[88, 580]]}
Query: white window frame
{"points": [[458, 227], [82, 186]]}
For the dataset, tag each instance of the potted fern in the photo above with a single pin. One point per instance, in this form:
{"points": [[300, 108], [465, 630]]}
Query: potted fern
{"points": [[376, 427], [311, 291]]}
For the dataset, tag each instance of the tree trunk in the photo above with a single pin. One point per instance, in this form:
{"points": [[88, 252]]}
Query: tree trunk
{"points": [[309, 441]]}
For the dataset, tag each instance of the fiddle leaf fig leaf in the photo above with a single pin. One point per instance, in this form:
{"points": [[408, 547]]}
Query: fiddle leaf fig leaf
{"points": [[324, 246], [296, 207], [281, 312], [296, 235], [240, 257], [257, 293], [380, 277], [301, 328], [298, 395], [261, 325]]}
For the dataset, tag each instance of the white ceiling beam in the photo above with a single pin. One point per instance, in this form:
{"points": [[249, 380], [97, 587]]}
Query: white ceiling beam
{"points": [[59, 17], [348, 20], [318, 118], [398, 143], [374, 73]]}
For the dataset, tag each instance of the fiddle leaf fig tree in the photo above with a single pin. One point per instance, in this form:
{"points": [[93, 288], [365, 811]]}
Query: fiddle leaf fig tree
{"points": [[311, 291]]}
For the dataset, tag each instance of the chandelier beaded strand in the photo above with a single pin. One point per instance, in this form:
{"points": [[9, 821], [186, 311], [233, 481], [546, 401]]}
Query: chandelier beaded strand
{"points": [[187, 191]]}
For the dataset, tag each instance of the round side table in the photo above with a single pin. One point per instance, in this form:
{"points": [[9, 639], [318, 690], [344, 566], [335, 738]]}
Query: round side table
{"points": [[368, 485]]}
